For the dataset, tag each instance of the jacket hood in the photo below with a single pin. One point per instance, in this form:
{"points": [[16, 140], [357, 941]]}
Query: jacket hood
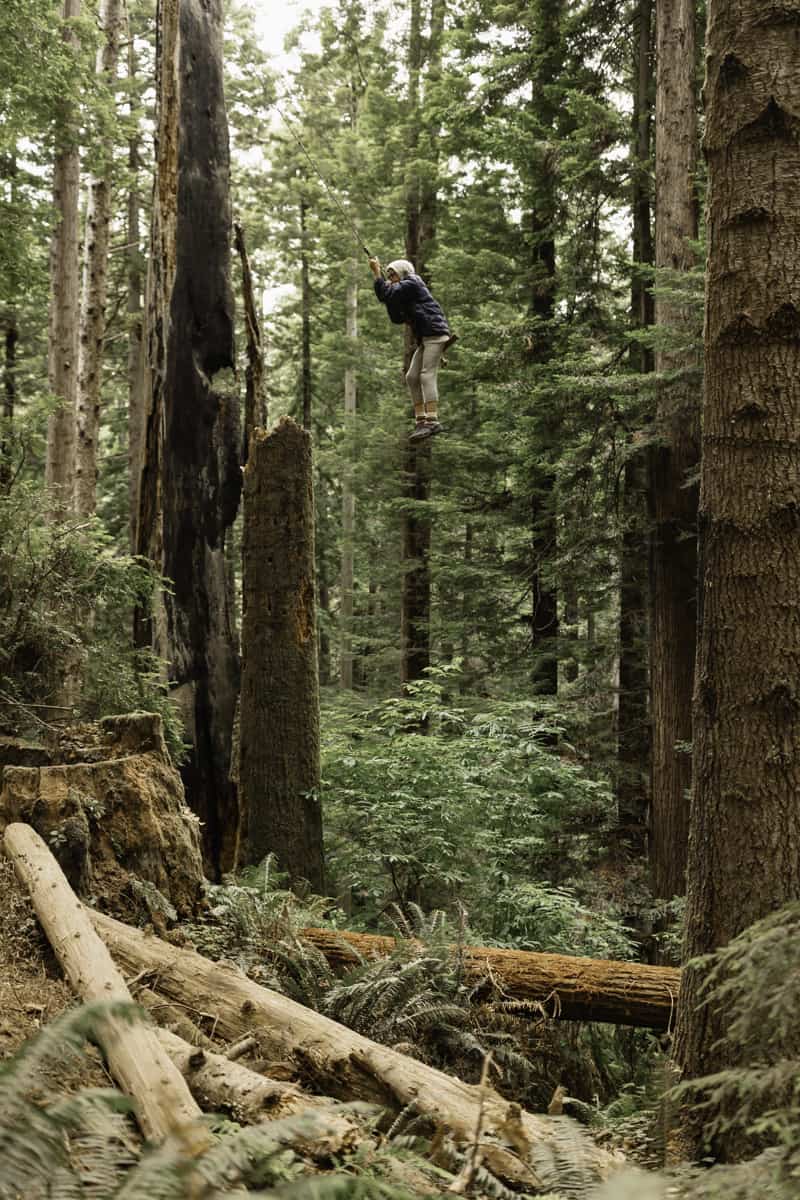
{"points": [[401, 267]]}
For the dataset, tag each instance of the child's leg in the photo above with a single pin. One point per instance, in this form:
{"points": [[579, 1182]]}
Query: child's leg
{"points": [[413, 383], [432, 352]]}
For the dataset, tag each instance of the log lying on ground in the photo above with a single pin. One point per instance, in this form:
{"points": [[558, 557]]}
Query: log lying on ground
{"points": [[576, 989], [519, 1147], [221, 1085], [135, 1056]]}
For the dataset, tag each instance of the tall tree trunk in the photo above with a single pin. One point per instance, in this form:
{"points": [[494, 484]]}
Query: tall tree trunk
{"points": [[744, 845], [191, 479], [134, 303], [95, 271], [348, 493], [547, 62], [420, 231], [674, 459], [305, 300], [279, 764], [633, 740], [62, 358], [10, 340]]}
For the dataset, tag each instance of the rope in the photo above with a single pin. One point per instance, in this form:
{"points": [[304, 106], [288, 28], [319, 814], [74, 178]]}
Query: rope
{"points": [[290, 126]]}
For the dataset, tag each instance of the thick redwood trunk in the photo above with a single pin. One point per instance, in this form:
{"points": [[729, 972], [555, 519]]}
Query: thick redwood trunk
{"points": [[279, 763], [674, 459], [744, 846], [191, 479]]}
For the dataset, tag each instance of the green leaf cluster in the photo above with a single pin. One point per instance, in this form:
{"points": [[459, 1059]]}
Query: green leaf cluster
{"points": [[434, 803]]}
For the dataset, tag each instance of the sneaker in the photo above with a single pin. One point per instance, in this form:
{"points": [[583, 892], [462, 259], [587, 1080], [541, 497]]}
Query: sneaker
{"points": [[425, 429]]}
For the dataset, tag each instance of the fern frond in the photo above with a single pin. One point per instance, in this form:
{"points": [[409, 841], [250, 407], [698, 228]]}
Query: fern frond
{"points": [[36, 1142]]}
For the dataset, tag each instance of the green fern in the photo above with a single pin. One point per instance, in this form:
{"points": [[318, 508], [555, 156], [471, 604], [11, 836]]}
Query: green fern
{"points": [[60, 1144]]}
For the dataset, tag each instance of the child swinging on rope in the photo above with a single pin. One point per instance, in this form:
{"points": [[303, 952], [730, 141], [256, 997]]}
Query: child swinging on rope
{"points": [[409, 302]]}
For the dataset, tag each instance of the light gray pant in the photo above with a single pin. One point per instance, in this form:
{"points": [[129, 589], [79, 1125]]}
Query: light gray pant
{"points": [[421, 374]]}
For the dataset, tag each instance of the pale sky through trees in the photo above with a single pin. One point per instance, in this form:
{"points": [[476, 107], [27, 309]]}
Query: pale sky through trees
{"points": [[274, 19]]}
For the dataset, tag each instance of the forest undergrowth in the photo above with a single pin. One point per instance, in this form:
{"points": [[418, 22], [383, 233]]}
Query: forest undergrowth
{"points": [[64, 1130]]}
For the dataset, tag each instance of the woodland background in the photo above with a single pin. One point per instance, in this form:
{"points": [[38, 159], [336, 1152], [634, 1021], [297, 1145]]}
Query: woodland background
{"points": [[497, 715]]}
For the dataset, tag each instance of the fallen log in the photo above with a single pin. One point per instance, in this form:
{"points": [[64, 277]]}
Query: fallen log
{"points": [[575, 989], [535, 1152], [219, 1085], [135, 1056]]}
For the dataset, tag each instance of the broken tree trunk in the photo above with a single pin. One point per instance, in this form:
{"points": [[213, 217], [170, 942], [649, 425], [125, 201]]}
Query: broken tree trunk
{"points": [[135, 1056], [519, 1147], [576, 989], [279, 715]]}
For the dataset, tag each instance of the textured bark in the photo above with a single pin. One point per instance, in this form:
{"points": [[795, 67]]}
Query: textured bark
{"points": [[415, 610], [255, 400], [134, 303], [220, 1085], [279, 762], [135, 1057], [633, 732], [305, 301], [674, 504], [348, 493], [62, 356], [415, 614], [519, 1147], [95, 272], [116, 818], [573, 989], [744, 848], [191, 479], [547, 54], [10, 341]]}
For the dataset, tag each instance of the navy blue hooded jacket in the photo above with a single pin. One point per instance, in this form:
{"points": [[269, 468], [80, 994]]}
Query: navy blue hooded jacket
{"points": [[410, 303]]}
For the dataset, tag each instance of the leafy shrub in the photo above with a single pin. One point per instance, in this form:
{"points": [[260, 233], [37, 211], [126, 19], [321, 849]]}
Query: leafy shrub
{"points": [[66, 603], [481, 811]]}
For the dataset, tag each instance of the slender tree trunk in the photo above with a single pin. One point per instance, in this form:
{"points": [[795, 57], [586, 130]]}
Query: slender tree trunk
{"points": [[279, 765], [64, 295], [255, 399], [633, 734], [95, 271], [420, 231], [348, 493], [10, 340], [674, 459], [191, 478], [134, 304], [547, 62], [8, 171], [305, 300], [744, 845]]}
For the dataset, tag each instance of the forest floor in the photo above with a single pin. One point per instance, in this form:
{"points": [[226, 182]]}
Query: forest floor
{"points": [[33, 991]]}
